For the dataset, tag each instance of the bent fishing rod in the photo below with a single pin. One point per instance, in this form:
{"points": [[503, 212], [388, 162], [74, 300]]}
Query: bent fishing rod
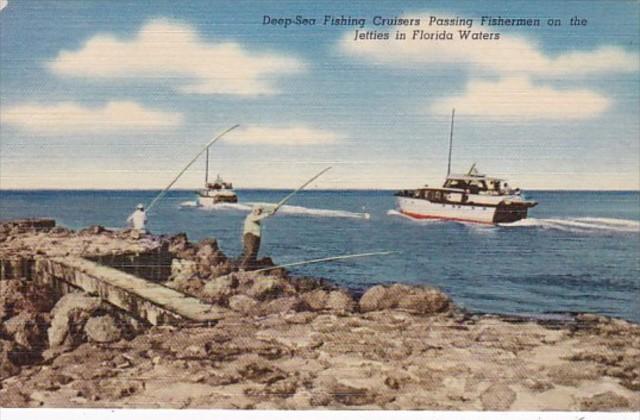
{"points": [[327, 259], [300, 188], [164, 191]]}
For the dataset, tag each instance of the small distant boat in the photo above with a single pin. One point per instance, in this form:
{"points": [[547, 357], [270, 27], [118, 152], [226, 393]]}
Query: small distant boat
{"points": [[471, 197], [216, 192]]}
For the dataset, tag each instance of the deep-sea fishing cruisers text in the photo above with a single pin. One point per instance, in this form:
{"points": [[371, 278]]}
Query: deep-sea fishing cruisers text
{"points": [[438, 21]]}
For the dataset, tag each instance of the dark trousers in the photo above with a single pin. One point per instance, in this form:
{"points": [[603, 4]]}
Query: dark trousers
{"points": [[250, 252]]}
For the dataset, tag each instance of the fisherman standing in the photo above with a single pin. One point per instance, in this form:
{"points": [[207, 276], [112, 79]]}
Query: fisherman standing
{"points": [[138, 219], [253, 229], [252, 233]]}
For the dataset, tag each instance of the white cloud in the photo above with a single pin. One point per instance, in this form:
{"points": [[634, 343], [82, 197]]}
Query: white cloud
{"points": [[295, 135], [510, 55], [173, 53], [517, 98], [72, 118], [3, 4], [515, 60]]}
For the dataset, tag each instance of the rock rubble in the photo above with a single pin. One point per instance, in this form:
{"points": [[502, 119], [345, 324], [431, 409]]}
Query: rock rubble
{"points": [[290, 343]]}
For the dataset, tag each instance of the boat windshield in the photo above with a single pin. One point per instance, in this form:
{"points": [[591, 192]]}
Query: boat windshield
{"points": [[474, 186], [456, 183]]}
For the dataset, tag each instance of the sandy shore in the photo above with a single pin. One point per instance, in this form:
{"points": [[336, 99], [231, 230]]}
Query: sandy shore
{"points": [[288, 343]]}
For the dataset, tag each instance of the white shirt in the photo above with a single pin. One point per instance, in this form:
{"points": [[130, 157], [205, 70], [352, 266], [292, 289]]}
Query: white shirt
{"points": [[138, 220], [252, 222]]}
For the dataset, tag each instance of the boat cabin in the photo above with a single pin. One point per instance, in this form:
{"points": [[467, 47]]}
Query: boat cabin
{"points": [[471, 188], [478, 184], [219, 184]]}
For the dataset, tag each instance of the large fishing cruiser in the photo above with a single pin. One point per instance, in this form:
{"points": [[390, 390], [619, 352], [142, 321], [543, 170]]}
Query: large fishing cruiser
{"points": [[215, 192], [470, 197]]}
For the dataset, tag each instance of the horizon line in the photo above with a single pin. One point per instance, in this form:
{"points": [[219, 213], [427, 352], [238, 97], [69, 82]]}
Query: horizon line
{"points": [[290, 189]]}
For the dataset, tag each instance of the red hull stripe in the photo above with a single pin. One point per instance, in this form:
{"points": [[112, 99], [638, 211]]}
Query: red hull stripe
{"points": [[453, 219]]}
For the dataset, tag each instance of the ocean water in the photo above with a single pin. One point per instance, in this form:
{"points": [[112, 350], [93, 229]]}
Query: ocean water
{"points": [[578, 251]]}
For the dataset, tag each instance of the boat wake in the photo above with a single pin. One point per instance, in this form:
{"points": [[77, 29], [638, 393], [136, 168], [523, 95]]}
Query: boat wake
{"points": [[216, 207], [575, 224], [290, 210], [189, 204], [580, 224], [305, 211]]}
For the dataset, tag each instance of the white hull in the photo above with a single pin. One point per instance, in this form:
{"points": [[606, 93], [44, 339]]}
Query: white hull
{"points": [[217, 198], [423, 209]]}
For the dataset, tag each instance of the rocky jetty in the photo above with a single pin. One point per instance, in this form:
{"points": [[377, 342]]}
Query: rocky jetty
{"points": [[285, 342]]}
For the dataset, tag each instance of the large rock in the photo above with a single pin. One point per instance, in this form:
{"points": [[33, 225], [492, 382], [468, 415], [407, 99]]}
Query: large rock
{"points": [[572, 373], [69, 317], [103, 329], [415, 299], [221, 269], [27, 329], [282, 305], [424, 301], [267, 287], [498, 397], [184, 276], [340, 302], [315, 300], [377, 298], [182, 270], [178, 243], [180, 247], [220, 289], [606, 401], [243, 304], [208, 256]]}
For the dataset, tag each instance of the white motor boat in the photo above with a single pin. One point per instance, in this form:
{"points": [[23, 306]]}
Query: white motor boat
{"points": [[215, 192], [470, 197]]}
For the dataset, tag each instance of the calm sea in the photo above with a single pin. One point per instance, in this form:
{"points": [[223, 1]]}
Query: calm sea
{"points": [[578, 251]]}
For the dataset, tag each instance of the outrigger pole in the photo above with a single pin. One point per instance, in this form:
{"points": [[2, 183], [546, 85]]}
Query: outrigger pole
{"points": [[205, 149], [320, 260], [284, 200], [206, 169], [453, 113]]}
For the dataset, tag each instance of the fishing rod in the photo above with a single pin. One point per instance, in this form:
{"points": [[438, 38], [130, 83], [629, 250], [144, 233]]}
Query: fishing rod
{"points": [[284, 200], [320, 260], [206, 148]]}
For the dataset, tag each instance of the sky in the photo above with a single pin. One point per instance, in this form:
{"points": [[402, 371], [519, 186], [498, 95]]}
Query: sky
{"points": [[123, 94]]}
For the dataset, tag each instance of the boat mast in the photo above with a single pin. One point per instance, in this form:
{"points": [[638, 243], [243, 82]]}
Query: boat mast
{"points": [[453, 113], [206, 148], [206, 170]]}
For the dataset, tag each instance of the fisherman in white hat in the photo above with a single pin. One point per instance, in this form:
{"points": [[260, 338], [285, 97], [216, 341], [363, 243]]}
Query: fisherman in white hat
{"points": [[253, 229], [252, 233], [138, 219]]}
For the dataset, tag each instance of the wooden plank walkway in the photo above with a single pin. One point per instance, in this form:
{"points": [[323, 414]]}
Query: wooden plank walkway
{"points": [[147, 300]]}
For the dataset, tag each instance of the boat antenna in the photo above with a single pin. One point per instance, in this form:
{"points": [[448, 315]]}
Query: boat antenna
{"points": [[453, 113], [206, 169], [320, 260], [206, 148]]}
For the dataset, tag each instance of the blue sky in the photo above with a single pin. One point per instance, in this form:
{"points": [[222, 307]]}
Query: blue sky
{"points": [[122, 94]]}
